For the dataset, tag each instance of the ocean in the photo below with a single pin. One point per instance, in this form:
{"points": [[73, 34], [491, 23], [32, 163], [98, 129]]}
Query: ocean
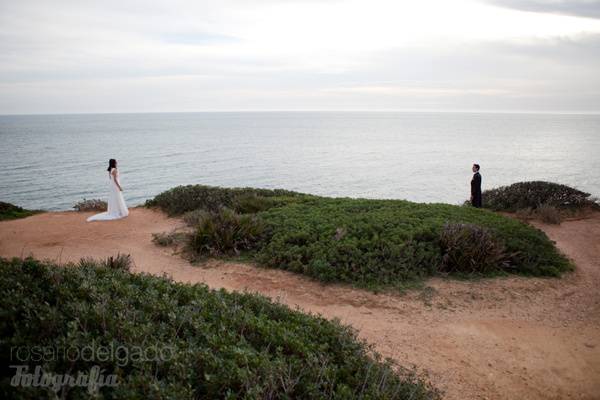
{"points": [[52, 161]]}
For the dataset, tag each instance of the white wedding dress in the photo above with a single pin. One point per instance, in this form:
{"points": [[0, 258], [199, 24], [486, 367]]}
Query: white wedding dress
{"points": [[117, 208]]}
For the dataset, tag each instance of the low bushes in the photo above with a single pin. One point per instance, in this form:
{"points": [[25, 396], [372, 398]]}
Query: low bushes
{"points": [[225, 232], [524, 195], [388, 242], [193, 218], [369, 243], [545, 213], [91, 205], [173, 238], [122, 262], [182, 199], [364, 242], [549, 214], [10, 211], [469, 248], [188, 341]]}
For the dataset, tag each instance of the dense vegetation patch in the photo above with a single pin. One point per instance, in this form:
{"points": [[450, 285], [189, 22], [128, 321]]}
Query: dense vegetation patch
{"points": [[175, 341], [371, 243], [471, 248], [546, 213], [91, 205], [182, 199], [10, 211], [534, 194], [384, 242], [225, 232]]}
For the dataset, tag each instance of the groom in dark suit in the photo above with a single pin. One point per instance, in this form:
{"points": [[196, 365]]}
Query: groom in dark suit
{"points": [[476, 187]]}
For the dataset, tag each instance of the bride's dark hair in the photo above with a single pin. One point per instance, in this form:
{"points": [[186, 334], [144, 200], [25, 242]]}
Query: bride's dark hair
{"points": [[112, 163]]}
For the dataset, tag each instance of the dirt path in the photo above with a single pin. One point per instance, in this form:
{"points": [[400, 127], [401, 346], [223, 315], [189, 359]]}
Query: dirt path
{"points": [[510, 338]]}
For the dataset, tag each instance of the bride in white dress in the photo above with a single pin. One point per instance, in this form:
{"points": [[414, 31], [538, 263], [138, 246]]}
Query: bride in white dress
{"points": [[116, 203]]}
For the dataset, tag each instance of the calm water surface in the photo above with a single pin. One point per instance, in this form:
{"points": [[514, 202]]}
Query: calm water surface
{"points": [[52, 161]]}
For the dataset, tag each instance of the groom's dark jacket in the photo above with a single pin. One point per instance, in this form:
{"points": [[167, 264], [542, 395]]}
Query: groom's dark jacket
{"points": [[476, 190]]}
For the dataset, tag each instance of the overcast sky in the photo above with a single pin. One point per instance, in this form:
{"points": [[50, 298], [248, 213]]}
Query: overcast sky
{"points": [[83, 56]]}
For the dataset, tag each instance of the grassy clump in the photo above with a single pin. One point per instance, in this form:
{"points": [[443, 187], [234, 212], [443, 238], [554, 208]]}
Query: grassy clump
{"points": [[10, 211], [182, 199], [470, 248], [545, 213], [549, 214], [91, 205], [121, 262], [173, 238], [225, 232], [386, 242], [189, 341], [372, 243], [364, 242], [534, 194]]}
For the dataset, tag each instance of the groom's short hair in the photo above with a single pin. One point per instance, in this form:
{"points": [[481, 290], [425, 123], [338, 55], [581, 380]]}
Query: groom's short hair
{"points": [[476, 166]]}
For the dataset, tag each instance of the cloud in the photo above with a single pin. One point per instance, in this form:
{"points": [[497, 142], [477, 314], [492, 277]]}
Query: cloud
{"points": [[196, 38], [112, 56], [581, 8], [419, 91]]}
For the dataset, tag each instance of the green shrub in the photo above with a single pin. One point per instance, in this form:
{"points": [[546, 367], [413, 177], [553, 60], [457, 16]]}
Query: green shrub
{"points": [[211, 344], [163, 239], [368, 243], [345, 240], [225, 232], [469, 248], [533, 194], [91, 205], [549, 214], [193, 218], [169, 238], [10, 211], [252, 203], [525, 214], [122, 262], [389, 242], [545, 213], [182, 199]]}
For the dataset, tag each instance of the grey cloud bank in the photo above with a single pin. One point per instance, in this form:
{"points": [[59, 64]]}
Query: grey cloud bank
{"points": [[581, 8], [71, 57]]}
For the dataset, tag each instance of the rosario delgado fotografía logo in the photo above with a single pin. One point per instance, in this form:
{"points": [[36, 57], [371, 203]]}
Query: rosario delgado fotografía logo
{"points": [[28, 364], [92, 380]]}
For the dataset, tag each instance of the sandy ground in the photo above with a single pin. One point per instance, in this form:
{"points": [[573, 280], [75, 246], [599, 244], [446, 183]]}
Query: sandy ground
{"points": [[509, 338]]}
